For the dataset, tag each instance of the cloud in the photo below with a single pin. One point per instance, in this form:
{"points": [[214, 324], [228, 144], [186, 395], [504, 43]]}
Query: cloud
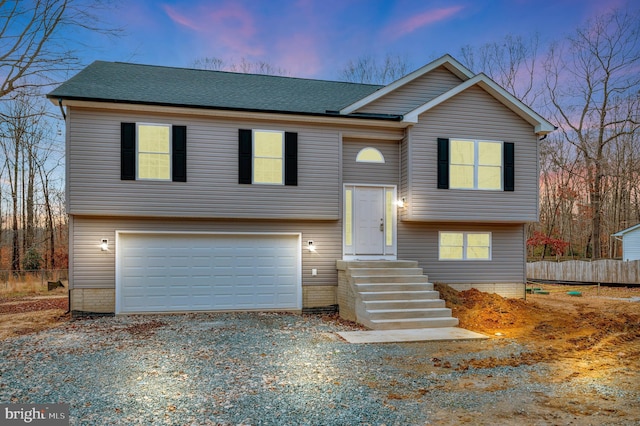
{"points": [[180, 19], [415, 22], [229, 27]]}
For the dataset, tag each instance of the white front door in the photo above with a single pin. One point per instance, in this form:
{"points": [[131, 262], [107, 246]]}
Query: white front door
{"points": [[369, 222]]}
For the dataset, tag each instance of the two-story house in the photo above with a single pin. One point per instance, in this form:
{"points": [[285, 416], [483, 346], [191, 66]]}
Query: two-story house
{"points": [[194, 190]]}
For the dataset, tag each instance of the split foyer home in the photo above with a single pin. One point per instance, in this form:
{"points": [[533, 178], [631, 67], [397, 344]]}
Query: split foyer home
{"points": [[195, 190]]}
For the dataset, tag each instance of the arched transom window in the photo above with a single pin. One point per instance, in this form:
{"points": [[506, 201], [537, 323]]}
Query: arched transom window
{"points": [[369, 155]]}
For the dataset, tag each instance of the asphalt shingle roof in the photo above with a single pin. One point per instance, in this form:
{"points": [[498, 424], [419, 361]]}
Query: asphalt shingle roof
{"points": [[147, 84]]}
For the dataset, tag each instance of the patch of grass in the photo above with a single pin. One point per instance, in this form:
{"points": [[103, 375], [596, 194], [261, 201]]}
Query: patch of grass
{"points": [[28, 286]]}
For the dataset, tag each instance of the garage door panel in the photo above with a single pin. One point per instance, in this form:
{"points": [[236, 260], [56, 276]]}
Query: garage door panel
{"points": [[170, 272]]}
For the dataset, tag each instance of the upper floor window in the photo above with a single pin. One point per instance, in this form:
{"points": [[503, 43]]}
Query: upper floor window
{"points": [[267, 157], [476, 164], [369, 155], [150, 151], [154, 151], [268, 152]]}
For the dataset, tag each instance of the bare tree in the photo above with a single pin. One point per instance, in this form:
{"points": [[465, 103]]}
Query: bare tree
{"points": [[45, 179], [32, 39], [211, 64], [592, 83], [27, 172], [368, 69], [510, 62], [244, 66]]}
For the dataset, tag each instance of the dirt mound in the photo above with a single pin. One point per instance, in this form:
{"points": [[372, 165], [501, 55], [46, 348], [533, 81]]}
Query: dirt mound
{"points": [[597, 328], [490, 313]]}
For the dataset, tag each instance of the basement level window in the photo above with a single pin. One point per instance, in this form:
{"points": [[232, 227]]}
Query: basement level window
{"points": [[464, 245]]}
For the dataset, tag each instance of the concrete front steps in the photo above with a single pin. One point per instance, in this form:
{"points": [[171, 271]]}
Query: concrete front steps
{"points": [[389, 295]]}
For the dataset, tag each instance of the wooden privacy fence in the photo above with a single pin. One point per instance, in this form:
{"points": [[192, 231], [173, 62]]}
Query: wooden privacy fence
{"points": [[598, 271]]}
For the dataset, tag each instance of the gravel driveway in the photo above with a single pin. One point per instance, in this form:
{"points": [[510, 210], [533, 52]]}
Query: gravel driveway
{"points": [[254, 368]]}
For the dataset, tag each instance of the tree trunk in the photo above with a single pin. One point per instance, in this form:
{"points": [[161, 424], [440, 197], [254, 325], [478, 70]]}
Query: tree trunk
{"points": [[15, 246], [596, 217]]}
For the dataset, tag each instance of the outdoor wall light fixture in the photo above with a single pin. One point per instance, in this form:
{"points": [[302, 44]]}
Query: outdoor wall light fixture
{"points": [[401, 202], [311, 246], [104, 244]]}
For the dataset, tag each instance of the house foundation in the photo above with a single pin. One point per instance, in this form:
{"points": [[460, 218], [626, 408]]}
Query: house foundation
{"points": [[85, 301]]}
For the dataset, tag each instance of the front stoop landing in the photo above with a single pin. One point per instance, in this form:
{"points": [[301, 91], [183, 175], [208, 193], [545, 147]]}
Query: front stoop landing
{"points": [[390, 295]]}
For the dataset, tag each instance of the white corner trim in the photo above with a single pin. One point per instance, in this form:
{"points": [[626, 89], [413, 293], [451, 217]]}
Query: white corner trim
{"points": [[447, 61], [542, 126]]}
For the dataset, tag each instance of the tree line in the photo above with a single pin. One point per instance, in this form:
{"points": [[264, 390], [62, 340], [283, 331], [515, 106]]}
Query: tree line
{"points": [[40, 43]]}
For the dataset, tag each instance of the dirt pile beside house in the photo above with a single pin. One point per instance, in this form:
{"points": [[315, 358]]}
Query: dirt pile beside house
{"points": [[601, 327]]}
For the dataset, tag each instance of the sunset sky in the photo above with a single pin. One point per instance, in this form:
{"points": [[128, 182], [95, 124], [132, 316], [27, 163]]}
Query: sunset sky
{"points": [[313, 38]]}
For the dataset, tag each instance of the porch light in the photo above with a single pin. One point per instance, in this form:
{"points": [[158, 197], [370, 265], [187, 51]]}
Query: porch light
{"points": [[104, 244], [401, 202], [311, 246]]}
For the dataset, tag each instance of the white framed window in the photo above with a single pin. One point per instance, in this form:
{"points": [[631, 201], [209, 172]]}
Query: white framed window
{"points": [[268, 157], [476, 164], [453, 245], [153, 151]]}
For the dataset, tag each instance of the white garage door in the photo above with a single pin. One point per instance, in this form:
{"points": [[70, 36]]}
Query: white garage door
{"points": [[207, 272]]}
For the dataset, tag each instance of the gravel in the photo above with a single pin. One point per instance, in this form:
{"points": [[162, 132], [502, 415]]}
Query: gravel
{"points": [[250, 368]]}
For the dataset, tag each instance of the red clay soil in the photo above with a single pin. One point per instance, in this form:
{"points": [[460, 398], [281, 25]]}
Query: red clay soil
{"points": [[601, 326]]}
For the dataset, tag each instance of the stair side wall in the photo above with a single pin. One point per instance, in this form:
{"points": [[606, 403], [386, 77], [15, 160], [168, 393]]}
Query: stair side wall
{"points": [[346, 297]]}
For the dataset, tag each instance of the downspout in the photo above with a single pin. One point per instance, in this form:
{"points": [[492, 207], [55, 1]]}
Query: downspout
{"points": [[68, 300], [64, 116]]}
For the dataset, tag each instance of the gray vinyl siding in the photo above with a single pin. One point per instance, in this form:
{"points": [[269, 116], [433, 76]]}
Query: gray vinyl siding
{"points": [[370, 173], [414, 94], [93, 268], [212, 189], [473, 114], [419, 241]]}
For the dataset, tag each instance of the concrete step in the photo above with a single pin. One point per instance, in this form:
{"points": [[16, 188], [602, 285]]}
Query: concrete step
{"points": [[384, 271], [397, 314], [343, 264], [371, 287], [362, 279], [386, 324], [391, 294], [403, 304]]}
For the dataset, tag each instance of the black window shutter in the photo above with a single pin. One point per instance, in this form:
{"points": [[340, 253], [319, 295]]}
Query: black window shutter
{"points": [[509, 166], [290, 158], [443, 163], [179, 154], [244, 156], [128, 151]]}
